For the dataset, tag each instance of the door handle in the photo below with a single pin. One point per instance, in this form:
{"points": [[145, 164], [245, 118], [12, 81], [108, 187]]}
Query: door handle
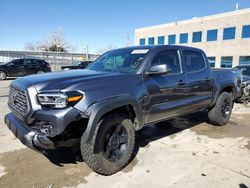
{"points": [[180, 82]]}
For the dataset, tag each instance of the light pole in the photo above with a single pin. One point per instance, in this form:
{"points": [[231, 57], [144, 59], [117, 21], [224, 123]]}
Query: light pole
{"points": [[57, 49], [86, 49]]}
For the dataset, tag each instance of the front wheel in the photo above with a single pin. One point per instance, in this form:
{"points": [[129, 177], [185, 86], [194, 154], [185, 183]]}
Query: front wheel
{"points": [[221, 112], [113, 146], [2, 75]]}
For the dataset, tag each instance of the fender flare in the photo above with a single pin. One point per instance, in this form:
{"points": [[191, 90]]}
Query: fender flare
{"points": [[219, 91], [97, 110]]}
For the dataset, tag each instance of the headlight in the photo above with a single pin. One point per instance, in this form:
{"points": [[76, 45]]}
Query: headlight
{"points": [[59, 100]]}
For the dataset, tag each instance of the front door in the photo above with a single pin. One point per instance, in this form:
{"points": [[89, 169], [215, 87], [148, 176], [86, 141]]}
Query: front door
{"points": [[165, 92]]}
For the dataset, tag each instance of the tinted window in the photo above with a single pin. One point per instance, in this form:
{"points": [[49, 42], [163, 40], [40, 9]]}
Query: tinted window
{"points": [[211, 61], [151, 40], [171, 39], [212, 35], [28, 62], [229, 33], [244, 60], [170, 58], [193, 61], [226, 62], [183, 38], [161, 40], [142, 42], [197, 36], [37, 62], [245, 31], [17, 62]]}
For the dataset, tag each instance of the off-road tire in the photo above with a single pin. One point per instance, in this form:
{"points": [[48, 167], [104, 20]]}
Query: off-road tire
{"points": [[216, 115], [91, 150]]}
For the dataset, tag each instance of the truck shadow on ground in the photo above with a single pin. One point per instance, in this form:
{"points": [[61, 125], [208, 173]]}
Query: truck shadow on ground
{"points": [[146, 135], [169, 128]]}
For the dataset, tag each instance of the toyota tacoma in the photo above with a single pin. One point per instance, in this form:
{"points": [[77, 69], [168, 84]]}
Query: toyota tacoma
{"points": [[102, 107]]}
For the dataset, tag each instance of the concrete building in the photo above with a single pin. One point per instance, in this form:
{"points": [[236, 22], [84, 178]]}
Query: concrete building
{"points": [[224, 37]]}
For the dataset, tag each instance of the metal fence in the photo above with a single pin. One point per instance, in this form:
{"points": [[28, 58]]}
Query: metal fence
{"points": [[56, 59]]}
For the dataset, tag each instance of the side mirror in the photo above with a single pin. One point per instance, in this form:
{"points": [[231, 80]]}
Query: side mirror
{"points": [[158, 69]]}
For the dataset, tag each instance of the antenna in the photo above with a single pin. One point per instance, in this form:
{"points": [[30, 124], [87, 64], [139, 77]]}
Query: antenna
{"points": [[237, 6]]}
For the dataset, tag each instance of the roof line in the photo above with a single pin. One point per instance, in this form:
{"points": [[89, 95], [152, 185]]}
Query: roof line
{"points": [[195, 19]]}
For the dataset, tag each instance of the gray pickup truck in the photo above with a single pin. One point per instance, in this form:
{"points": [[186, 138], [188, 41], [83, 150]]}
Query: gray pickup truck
{"points": [[102, 107]]}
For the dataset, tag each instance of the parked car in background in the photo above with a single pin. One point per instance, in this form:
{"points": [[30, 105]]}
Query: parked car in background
{"points": [[23, 67], [77, 65], [244, 96]]}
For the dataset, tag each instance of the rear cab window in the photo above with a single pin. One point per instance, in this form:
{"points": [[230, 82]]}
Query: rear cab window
{"points": [[193, 61]]}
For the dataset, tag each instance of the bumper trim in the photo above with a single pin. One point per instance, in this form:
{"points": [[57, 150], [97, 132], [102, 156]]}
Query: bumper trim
{"points": [[28, 137]]}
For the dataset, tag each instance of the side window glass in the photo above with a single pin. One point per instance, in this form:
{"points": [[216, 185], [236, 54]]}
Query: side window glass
{"points": [[193, 61], [170, 58], [27, 62], [17, 62]]}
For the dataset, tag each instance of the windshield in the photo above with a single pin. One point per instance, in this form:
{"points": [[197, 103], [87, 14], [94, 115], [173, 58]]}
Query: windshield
{"points": [[245, 70], [121, 60]]}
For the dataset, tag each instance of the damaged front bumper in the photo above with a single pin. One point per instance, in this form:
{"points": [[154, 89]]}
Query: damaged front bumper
{"points": [[26, 135], [35, 136]]}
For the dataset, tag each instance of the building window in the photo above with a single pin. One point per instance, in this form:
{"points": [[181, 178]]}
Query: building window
{"points": [[161, 40], [244, 60], [229, 33], [171, 39], [211, 61], [245, 31], [183, 38], [226, 62], [142, 42], [212, 35], [197, 36], [151, 40]]}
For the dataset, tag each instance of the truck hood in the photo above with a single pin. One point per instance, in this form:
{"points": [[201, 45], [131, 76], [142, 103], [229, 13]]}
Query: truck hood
{"points": [[60, 80]]}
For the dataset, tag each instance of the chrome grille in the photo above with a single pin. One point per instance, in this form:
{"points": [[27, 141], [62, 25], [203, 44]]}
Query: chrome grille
{"points": [[18, 101]]}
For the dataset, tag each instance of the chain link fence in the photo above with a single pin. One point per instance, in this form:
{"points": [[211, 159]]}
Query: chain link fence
{"points": [[55, 59]]}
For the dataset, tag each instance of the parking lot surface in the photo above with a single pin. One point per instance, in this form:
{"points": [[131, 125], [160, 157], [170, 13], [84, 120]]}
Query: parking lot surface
{"points": [[183, 152]]}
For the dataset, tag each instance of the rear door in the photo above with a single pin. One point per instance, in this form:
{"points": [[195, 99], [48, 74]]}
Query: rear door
{"points": [[16, 68], [30, 66], [199, 80]]}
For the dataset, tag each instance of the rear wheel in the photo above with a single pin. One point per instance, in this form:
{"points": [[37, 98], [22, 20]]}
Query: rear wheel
{"points": [[3, 75], [221, 112], [113, 145]]}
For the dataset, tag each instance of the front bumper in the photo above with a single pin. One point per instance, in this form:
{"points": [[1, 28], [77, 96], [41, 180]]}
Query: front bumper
{"points": [[33, 135], [26, 135]]}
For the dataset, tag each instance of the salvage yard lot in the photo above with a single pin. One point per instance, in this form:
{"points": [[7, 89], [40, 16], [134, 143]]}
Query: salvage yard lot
{"points": [[183, 152]]}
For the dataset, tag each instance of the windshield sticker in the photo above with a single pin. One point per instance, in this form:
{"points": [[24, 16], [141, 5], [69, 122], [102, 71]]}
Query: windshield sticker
{"points": [[140, 51]]}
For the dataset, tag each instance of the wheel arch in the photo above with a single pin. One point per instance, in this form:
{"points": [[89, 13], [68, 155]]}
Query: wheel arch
{"points": [[122, 104], [5, 72], [226, 88]]}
